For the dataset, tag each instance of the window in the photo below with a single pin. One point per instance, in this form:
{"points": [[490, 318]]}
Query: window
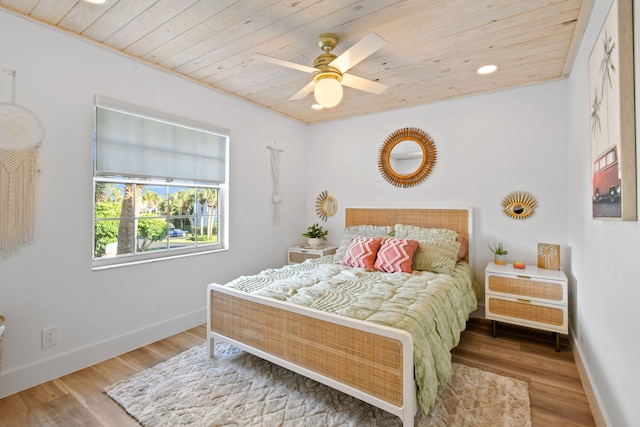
{"points": [[160, 185]]}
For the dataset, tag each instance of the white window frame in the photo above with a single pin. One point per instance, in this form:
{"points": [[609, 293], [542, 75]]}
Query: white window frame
{"points": [[221, 186]]}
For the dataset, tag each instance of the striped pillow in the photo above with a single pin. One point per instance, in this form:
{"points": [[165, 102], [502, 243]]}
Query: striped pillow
{"points": [[396, 255], [438, 247], [436, 255], [362, 252]]}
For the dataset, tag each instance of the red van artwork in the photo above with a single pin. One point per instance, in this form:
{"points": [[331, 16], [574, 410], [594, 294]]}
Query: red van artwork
{"points": [[606, 176]]}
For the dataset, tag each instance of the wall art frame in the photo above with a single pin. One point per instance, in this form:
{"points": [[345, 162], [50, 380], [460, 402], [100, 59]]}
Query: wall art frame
{"points": [[612, 106]]}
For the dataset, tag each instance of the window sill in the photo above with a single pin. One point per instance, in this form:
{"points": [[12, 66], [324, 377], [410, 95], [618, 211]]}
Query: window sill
{"points": [[114, 262]]}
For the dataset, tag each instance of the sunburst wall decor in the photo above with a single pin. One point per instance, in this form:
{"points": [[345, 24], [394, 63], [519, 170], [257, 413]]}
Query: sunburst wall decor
{"points": [[519, 205], [425, 153], [326, 205]]}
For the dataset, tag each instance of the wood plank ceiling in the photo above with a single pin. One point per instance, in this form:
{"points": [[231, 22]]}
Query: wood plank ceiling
{"points": [[434, 46]]}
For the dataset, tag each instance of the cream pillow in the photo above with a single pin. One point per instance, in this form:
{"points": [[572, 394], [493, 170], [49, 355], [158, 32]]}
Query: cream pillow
{"points": [[413, 232], [436, 255], [437, 247]]}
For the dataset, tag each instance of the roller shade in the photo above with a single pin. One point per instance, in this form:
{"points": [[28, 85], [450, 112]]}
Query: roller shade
{"points": [[140, 143]]}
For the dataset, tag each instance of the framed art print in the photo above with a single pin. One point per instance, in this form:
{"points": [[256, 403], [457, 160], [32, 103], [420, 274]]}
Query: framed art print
{"points": [[613, 144]]}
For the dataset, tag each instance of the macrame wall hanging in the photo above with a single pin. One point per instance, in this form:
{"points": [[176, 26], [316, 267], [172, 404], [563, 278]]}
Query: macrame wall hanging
{"points": [[276, 197], [21, 134]]}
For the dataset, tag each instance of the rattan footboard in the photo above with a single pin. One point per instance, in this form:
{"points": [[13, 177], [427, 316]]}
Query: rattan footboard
{"points": [[370, 362]]}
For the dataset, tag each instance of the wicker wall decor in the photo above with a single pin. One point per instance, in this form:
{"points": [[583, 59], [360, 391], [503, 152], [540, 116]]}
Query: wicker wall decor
{"points": [[326, 205], [519, 205], [419, 157]]}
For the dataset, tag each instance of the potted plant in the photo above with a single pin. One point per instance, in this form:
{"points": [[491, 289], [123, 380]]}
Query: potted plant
{"points": [[315, 235], [499, 253]]}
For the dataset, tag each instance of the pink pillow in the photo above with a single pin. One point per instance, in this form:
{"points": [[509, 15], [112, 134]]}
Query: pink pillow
{"points": [[396, 255], [464, 246], [362, 252]]}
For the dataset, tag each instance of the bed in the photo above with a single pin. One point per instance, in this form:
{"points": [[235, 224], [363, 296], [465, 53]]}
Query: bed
{"points": [[370, 356]]}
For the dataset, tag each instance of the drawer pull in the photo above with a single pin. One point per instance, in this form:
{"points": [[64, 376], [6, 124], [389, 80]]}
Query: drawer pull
{"points": [[525, 301], [523, 277]]}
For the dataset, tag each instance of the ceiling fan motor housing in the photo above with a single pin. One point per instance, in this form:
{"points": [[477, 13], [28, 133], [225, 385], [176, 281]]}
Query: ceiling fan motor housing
{"points": [[323, 59], [327, 42]]}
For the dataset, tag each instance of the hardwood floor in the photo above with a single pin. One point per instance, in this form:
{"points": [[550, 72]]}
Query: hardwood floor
{"points": [[77, 399], [555, 390]]}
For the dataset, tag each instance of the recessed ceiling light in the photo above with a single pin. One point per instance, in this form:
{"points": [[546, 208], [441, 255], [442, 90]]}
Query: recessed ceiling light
{"points": [[95, 1], [487, 69], [317, 107]]}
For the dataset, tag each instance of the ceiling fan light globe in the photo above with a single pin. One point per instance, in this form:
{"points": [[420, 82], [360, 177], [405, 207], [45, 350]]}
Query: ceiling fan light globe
{"points": [[328, 92]]}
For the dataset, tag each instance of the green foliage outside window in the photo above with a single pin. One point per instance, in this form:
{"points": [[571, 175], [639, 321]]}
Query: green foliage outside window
{"points": [[106, 231], [193, 210], [150, 230]]}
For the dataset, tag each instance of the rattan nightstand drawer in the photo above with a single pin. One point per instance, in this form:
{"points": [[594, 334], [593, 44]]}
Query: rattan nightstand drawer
{"points": [[526, 286], [298, 254], [528, 314], [296, 257]]}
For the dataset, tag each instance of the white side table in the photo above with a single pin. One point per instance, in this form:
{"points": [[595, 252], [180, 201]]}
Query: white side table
{"points": [[533, 297], [300, 253]]}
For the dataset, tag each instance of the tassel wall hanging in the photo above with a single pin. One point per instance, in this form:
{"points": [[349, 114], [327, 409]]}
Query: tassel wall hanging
{"points": [[276, 197], [21, 134]]}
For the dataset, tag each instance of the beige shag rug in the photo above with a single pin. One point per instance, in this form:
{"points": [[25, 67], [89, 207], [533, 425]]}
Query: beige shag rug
{"points": [[238, 389]]}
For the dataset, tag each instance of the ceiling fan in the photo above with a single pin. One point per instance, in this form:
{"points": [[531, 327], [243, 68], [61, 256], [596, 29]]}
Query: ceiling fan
{"points": [[330, 71]]}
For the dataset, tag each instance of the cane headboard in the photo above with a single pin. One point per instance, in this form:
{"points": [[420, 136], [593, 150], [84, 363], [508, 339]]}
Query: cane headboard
{"points": [[457, 219]]}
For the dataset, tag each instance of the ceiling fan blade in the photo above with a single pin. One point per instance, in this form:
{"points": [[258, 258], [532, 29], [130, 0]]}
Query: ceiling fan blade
{"points": [[284, 63], [363, 84], [359, 51], [304, 91]]}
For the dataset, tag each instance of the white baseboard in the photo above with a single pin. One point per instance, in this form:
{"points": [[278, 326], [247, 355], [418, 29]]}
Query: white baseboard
{"points": [[599, 415], [25, 377]]}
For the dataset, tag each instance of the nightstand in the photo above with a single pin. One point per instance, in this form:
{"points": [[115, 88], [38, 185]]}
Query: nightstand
{"points": [[533, 297], [300, 253]]}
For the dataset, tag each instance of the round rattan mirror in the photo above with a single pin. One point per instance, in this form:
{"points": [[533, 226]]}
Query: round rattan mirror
{"points": [[407, 157]]}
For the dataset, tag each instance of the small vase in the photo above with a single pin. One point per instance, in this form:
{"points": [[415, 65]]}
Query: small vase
{"points": [[314, 242], [500, 259]]}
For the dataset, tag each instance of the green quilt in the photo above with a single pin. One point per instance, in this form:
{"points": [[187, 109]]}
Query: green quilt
{"points": [[433, 308]]}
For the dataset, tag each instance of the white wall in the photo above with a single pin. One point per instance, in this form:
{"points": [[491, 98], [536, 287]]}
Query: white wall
{"points": [[605, 263], [50, 282], [488, 146]]}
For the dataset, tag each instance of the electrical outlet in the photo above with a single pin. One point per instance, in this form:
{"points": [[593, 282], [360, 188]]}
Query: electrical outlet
{"points": [[49, 337]]}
